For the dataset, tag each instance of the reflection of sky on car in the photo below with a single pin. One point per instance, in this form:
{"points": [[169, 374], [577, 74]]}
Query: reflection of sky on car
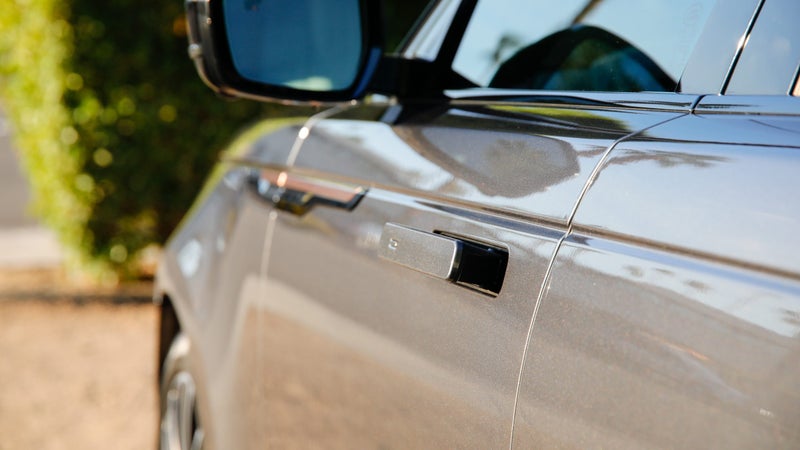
{"points": [[766, 303], [763, 234], [665, 31], [448, 176]]}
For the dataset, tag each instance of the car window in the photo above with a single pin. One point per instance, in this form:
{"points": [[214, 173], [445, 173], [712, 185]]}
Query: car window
{"points": [[588, 45], [769, 61]]}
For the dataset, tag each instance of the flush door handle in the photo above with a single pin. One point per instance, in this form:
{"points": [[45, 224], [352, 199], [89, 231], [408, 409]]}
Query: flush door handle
{"points": [[429, 253], [298, 193], [467, 263]]}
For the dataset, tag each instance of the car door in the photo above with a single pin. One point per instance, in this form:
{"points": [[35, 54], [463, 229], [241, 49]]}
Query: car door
{"points": [[364, 340], [670, 316]]}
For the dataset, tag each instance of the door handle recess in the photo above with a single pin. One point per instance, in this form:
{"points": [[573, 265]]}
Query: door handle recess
{"points": [[299, 193], [467, 263]]}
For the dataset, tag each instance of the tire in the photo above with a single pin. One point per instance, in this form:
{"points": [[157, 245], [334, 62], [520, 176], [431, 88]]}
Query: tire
{"points": [[180, 425]]}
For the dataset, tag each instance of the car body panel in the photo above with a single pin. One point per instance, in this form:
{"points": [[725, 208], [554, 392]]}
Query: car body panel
{"points": [[673, 304], [640, 348], [717, 173], [359, 352], [211, 273], [502, 154], [215, 309]]}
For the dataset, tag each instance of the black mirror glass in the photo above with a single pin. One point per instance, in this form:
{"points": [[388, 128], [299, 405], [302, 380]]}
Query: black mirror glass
{"points": [[313, 45]]}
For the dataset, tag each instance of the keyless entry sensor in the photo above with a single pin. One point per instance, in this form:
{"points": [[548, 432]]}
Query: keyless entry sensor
{"points": [[467, 263]]}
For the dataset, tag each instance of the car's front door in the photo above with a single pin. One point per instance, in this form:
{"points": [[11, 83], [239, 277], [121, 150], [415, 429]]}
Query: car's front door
{"points": [[361, 349], [368, 337]]}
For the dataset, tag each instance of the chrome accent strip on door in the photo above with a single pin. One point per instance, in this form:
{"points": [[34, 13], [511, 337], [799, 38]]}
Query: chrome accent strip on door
{"points": [[299, 193]]}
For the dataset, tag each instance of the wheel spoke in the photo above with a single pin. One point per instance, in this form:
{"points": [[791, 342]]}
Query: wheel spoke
{"points": [[179, 428]]}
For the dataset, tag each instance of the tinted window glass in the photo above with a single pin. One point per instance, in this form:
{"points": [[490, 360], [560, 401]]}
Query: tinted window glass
{"points": [[769, 61], [593, 45]]}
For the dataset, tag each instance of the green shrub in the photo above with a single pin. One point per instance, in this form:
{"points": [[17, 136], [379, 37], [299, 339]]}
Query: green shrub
{"points": [[117, 131]]}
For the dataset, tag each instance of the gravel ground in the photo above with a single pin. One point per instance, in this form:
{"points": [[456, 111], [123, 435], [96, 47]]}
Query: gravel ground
{"points": [[77, 365]]}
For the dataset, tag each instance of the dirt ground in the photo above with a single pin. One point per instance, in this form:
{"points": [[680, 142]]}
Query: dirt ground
{"points": [[77, 365]]}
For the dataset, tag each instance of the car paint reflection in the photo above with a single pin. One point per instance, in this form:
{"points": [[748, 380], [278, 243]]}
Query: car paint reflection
{"points": [[521, 162], [387, 341], [698, 342], [710, 172]]}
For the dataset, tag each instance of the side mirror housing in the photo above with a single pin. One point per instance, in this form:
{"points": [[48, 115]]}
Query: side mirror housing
{"points": [[285, 50]]}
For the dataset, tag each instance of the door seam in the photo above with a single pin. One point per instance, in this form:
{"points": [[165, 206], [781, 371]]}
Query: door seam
{"points": [[567, 232]]}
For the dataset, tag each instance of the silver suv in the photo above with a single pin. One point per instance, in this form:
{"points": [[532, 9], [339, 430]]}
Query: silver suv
{"points": [[539, 225]]}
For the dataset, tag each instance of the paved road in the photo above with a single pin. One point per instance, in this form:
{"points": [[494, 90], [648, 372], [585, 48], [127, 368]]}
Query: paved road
{"points": [[23, 242], [78, 368], [14, 192]]}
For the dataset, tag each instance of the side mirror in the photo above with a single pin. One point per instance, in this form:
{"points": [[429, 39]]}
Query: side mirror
{"points": [[295, 50]]}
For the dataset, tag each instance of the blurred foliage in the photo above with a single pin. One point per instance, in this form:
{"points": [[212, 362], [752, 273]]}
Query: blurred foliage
{"points": [[116, 130]]}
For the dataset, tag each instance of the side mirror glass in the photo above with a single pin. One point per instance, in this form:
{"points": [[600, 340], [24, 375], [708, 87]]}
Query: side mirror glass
{"points": [[301, 50], [312, 44]]}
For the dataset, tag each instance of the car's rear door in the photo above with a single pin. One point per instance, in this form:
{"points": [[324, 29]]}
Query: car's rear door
{"points": [[670, 318]]}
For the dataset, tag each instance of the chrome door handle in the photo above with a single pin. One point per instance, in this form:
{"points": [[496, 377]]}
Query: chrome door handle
{"points": [[470, 264], [433, 254], [298, 193]]}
